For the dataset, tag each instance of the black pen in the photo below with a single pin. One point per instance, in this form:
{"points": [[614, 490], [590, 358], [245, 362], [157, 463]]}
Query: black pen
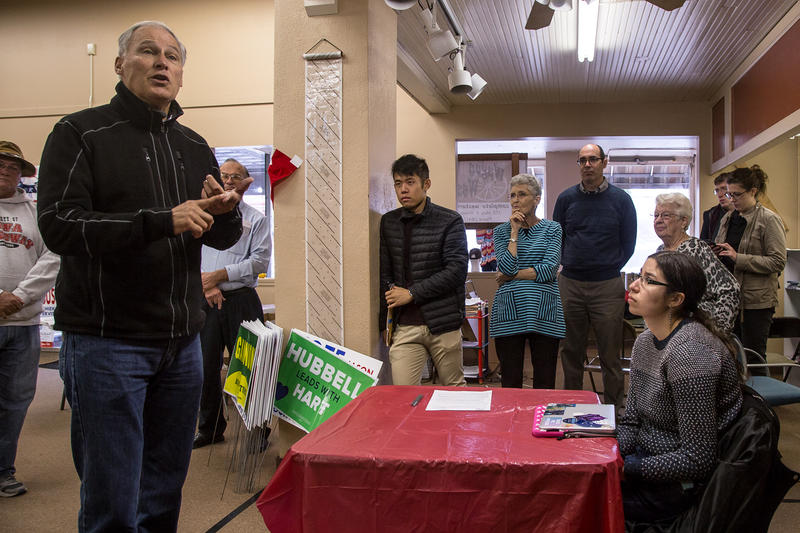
{"points": [[416, 400]]}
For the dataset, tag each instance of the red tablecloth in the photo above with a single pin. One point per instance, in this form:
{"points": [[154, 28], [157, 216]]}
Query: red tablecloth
{"points": [[380, 465]]}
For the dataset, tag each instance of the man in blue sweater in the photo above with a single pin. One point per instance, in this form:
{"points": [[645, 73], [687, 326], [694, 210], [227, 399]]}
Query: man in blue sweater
{"points": [[599, 231]]}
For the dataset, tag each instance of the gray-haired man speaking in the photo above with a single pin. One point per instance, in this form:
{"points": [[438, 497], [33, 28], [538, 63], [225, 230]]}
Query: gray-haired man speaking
{"points": [[127, 197]]}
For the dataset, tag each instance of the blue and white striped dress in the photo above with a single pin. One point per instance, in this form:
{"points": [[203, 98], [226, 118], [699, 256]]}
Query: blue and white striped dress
{"points": [[521, 305]]}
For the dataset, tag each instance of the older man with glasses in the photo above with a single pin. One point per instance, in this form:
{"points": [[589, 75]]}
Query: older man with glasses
{"points": [[599, 228], [230, 278], [127, 197]]}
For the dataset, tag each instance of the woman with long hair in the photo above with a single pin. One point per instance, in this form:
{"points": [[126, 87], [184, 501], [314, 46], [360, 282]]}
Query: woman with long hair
{"points": [[753, 240], [684, 391]]}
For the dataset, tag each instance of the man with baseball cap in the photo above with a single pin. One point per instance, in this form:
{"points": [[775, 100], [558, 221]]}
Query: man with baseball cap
{"points": [[27, 271]]}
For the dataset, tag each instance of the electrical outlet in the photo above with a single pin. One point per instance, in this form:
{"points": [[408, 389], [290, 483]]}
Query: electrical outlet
{"points": [[91, 49]]}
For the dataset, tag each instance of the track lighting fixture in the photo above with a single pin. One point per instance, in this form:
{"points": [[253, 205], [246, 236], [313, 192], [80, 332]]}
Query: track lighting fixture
{"points": [[443, 43]]}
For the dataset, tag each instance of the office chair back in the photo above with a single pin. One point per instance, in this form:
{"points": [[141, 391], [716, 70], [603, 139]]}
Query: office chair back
{"points": [[774, 391], [785, 327]]}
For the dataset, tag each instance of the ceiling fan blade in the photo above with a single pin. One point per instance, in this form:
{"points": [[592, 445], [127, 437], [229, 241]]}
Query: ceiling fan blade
{"points": [[540, 17], [667, 5]]}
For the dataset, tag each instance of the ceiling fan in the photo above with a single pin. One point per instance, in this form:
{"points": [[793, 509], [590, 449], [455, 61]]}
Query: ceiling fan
{"points": [[542, 11]]}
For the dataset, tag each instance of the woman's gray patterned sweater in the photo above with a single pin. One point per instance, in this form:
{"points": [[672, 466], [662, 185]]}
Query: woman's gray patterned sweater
{"points": [[684, 391]]}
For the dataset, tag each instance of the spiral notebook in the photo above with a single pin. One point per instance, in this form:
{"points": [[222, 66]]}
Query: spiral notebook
{"points": [[580, 419]]}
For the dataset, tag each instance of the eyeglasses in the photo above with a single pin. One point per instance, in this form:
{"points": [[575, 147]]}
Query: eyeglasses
{"points": [[665, 216], [521, 195], [644, 280], [10, 165], [718, 191], [651, 281], [591, 160], [734, 195], [233, 177]]}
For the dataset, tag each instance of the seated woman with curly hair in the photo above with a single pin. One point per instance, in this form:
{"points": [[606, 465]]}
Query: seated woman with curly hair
{"points": [[671, 221]]}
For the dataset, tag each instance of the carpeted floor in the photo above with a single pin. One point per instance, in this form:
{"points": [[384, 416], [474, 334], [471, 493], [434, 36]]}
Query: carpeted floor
{"points": [[44, 464]]}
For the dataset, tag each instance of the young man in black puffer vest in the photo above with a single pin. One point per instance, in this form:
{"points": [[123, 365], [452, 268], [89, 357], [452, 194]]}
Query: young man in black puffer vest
{"points": [[423, 270]]}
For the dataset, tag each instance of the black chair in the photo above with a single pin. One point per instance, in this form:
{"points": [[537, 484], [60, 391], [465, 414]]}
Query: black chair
{"points": [[785, 327], [592, 364], [748, 483], [774, 391]]}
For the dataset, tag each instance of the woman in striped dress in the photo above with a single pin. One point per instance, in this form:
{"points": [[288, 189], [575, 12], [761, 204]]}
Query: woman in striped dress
{"points": [[527, 304]]}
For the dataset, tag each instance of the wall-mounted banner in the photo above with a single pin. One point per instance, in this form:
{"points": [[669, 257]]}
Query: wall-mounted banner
{"points": [[323, 91], [317, 378]]}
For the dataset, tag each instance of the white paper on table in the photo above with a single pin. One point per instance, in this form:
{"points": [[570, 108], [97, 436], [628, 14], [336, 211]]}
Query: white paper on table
{"points": [[451, 400]]}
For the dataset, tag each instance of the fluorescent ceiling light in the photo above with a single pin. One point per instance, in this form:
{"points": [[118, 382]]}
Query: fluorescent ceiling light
{"points": [[588, 11]]}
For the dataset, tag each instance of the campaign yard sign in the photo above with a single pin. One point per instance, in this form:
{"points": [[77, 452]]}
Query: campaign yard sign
{"points": [[317, 378], [237, 382]]}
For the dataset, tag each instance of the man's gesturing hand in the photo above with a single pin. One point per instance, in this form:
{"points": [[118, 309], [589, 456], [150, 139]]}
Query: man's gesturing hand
{"points": [[191, 216], [223, 200]]}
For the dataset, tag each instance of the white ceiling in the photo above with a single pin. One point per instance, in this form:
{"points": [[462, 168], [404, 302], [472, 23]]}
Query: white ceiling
{"points": [[643, 53]]}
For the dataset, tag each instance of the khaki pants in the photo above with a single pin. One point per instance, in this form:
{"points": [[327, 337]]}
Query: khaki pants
{"points": [[409, 352], [601, 305]]}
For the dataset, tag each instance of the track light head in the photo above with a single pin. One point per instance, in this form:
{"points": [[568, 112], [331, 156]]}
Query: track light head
{"points": [[441, 44], [400, 5], [459, 79], [478, 85]]}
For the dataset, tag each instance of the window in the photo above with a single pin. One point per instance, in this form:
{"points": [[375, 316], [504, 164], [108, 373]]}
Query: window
{"points": [[644, 166], [644, 178], [256, 160]]}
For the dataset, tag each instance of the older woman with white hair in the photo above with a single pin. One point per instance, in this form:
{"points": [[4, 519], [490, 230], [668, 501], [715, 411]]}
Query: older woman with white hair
{"points": [[671, 219], [527, 305]]}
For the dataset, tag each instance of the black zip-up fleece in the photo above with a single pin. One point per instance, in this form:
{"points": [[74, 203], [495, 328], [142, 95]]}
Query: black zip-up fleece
{"points": [[109, 178]]}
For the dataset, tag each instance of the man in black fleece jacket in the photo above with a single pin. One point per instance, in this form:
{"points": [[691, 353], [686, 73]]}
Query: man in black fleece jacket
{"points": [[423, 270], [127, 197]]}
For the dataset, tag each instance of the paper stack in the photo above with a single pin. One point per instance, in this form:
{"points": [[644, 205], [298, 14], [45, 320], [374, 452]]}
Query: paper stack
{"points": [[474, 306], [253, 371]]}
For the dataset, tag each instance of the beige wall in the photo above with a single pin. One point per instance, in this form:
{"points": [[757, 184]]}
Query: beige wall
{"points": [[437, 145], [229, 89], [781, 165], [228, 78], [365, 30]]}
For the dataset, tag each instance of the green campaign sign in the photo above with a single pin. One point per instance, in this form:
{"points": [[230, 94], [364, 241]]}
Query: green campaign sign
{"points": [[314, 383]]}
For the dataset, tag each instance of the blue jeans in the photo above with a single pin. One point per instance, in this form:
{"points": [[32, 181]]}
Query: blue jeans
{"points": [[19, 367], [134, 409]]}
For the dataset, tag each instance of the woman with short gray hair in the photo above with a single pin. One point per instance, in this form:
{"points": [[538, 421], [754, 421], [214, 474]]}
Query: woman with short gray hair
{"points": [[671, 220], [527, 304]]}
